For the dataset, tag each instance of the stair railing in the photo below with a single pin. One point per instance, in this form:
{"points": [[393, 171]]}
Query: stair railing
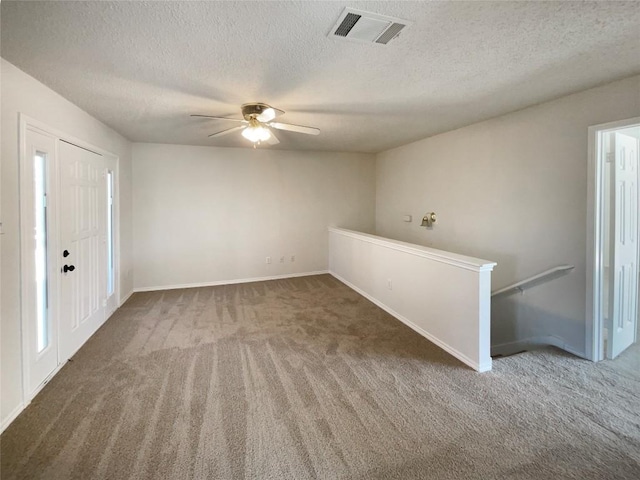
{"points": [[545, 276]]}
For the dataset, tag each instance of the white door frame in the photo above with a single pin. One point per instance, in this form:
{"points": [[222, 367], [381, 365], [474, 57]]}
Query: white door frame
{"points": [[26, 260], [25, 123], [595, 237]]}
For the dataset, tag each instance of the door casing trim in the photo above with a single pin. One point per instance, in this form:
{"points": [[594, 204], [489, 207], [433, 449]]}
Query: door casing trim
{"points": [[594, 342]]}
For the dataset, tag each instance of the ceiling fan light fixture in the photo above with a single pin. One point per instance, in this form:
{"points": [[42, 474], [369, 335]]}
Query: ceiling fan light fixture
{"points": [[257, 125], [256, 134], [267, 115]]}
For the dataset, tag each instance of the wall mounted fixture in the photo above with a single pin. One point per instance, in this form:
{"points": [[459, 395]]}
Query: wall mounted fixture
{"points": [[428, 220]]}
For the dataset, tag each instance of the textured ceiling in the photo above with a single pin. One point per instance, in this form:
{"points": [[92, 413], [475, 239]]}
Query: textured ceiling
{"points": [[143, 67]]}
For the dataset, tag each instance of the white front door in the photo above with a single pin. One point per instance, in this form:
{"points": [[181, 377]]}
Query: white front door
{"points": [[83, 246], [623, 279], [38, 168]]}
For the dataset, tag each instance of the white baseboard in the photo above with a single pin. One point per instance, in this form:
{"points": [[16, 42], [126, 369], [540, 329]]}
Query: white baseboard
{"points": [[520, 345], [228, 282], [12, 416], [28, 398], [485, 367], [126, 297]]}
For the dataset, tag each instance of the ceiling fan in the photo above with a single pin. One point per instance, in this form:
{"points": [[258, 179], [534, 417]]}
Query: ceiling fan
{"points": [[257, 124]]}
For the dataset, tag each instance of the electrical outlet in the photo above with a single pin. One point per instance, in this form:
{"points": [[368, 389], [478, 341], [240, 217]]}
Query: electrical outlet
{"points": [[293, 258], [268, 260], [389, 284]]}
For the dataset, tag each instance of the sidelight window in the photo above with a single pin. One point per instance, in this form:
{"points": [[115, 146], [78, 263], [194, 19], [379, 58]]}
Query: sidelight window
{"points": [[42, 293]]}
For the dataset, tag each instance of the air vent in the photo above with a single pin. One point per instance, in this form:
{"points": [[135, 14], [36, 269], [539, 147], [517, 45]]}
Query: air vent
{"points": [[390, 33], [367, 27], [347, 24]]}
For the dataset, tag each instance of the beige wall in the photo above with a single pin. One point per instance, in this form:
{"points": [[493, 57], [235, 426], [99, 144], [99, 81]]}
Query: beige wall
{"points": [[206, 214], [512, 189], [22, 93]]}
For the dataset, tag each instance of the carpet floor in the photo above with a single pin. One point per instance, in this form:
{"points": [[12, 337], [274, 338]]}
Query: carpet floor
{"points": [[304, 378]]}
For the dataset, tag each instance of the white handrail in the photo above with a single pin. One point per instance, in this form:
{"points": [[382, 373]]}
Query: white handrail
{"points": [[521, 284]]}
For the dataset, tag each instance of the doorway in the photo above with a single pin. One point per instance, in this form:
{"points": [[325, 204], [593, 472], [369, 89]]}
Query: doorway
{"points": [[613, 274], [69, 257]]}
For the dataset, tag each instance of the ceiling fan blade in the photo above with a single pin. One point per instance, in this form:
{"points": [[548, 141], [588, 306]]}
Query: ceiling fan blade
{"points": [[269, 114], [227, 131], [273, 140], [221, 118], [295, 128]]}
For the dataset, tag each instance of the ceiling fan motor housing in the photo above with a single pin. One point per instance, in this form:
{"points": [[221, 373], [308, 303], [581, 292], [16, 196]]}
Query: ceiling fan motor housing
{"points": [[252, 110]]}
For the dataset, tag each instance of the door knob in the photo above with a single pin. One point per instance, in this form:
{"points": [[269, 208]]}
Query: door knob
{"points": [[68, 268], [65, 254]]}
